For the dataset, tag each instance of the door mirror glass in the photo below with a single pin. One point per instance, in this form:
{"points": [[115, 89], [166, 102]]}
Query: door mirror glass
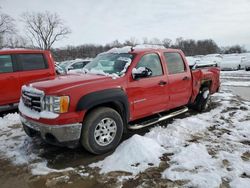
{"points": [[141, 72]]}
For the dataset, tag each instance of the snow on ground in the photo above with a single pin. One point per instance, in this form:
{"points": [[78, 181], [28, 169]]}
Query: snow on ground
{"points": [[205, 150], [133, 155], [208, 149], [17, 147], [239, 78]]}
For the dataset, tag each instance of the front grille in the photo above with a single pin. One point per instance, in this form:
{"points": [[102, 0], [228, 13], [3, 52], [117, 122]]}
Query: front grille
{"points": [[32, 100]]}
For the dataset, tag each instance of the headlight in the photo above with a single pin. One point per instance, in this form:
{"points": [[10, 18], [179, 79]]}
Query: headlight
{"points": [[56, 104]]}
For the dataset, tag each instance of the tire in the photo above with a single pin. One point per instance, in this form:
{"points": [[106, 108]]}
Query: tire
{"points": [[95, 137], [202, 100]]}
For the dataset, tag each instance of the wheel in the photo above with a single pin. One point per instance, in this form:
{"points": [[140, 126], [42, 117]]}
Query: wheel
{"points": [[202, 100], [102, 130]]}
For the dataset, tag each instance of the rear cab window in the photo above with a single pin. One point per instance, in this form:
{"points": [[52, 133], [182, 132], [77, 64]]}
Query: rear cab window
{"points": [[31, 61], [175, 63], [6, 64]]}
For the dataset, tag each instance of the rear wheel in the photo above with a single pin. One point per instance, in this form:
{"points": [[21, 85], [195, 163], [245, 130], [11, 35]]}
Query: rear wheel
{"points": [[102, 130], [202, 100]]}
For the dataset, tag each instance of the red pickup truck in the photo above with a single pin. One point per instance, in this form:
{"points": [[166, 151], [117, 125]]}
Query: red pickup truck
{"points": [[19, 67], [118, 90]]}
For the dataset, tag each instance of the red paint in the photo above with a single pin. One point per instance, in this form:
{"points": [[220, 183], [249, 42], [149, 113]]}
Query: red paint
{"points": [[11, 83], [180, 89]]}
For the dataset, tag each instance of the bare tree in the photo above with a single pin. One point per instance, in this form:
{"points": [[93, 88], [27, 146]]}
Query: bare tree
{"points": [[16, 41], [44, 28], [7, 27], [6, 24], [166, 42]]}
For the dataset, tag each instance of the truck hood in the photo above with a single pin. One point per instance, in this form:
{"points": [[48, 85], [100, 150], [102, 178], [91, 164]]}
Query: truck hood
{"points": [[66, 82]]}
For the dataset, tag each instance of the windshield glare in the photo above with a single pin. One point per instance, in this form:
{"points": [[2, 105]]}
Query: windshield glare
{"points": [[110, 63]]}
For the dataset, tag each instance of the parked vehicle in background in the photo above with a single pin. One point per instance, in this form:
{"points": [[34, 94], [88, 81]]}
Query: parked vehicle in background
{"points": [[192, 60], [212, 58], [232, 62], [118, 90], [76, 64], [19, 67], [246, 62], [59, 70]]}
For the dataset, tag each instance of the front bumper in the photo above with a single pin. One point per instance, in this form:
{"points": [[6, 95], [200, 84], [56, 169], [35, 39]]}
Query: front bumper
{"points": [[54, 134]]}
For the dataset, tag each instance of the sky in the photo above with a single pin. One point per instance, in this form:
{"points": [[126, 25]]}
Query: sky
{"points": [[227, 22]]}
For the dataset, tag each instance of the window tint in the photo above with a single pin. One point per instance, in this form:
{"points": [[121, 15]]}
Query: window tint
{"points": [[175, 63], [152, 62], [31, 61], [6, 64]]}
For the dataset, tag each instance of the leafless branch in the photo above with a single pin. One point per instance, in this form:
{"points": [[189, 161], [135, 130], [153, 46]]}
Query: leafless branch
{"points": [[45, 28]]}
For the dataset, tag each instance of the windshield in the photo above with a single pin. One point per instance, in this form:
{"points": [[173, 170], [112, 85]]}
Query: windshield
{"points": [[110, 63]]}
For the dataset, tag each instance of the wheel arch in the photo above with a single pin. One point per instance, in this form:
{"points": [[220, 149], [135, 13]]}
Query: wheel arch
{"points": [[113, 98]]}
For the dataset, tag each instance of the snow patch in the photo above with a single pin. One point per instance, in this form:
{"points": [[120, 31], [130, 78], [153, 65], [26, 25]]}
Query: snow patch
{"points": [[31, 89], [133, 155], [138, 70], [195, 164], [205, 94], [42, 169], [35, 114]]}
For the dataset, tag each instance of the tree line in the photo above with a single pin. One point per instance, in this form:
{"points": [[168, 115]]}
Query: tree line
{"points": [[44, 29]]}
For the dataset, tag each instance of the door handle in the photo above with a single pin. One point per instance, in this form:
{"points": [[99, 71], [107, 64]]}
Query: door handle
{"points": [[162, 83], [186, 78]]}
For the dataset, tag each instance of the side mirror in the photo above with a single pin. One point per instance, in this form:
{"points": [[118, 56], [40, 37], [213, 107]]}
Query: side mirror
{"points": [[141, 72]]}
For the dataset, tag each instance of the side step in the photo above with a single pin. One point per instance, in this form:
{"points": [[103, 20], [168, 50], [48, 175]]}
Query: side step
{"points": [[162, 118]]}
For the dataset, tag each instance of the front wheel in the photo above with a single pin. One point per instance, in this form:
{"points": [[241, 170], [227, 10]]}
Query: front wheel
{"points": [[102, 130]]}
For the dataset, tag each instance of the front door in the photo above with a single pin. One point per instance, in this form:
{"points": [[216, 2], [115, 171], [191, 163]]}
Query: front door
{"points": [[148, 95]]}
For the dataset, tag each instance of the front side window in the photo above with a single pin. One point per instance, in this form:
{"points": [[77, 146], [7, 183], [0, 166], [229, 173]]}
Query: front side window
{"points": [[151, 61], [6, 64], [32, 61], [175, 63]]}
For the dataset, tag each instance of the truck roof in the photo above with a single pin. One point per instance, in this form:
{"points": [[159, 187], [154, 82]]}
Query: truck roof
{"points": [[155, 50], [20, 50]]}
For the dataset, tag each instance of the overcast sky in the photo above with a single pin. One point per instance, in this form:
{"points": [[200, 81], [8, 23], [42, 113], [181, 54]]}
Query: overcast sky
{"points": [[103, 21]]}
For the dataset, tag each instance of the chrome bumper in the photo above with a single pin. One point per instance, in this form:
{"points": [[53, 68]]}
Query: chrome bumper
{"points": [[62, 133]]}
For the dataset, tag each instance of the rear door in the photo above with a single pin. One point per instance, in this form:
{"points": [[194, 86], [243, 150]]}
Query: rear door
{"points": [[33, 67], [148, 95], [9, 80], [180, 81]]}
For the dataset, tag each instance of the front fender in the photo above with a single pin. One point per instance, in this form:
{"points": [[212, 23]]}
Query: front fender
{"points": [[96, 98]]}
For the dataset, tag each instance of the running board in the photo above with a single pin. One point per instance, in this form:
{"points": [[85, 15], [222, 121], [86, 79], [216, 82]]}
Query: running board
{"points": [[172, 114]]}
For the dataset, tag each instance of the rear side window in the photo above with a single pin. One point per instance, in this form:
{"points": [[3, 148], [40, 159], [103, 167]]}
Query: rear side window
{"points": [[175, 63], [151, 61], [32, 61], [6, 64]]}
